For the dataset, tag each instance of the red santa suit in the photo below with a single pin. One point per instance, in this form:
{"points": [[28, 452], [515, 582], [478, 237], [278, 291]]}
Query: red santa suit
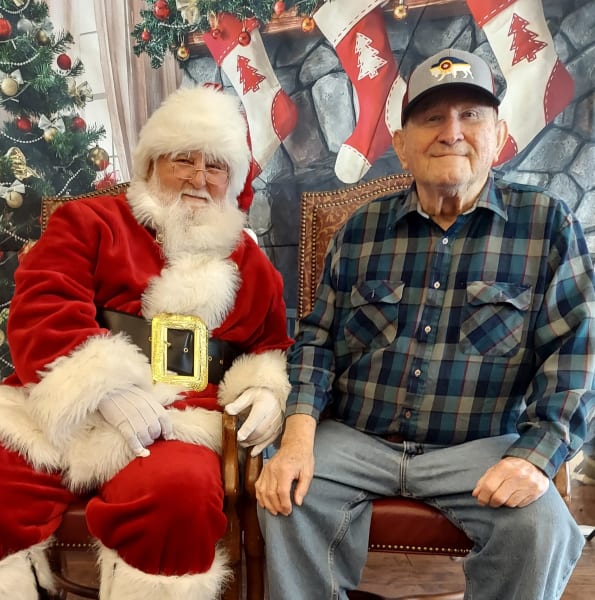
{"points": [[159, 516]]}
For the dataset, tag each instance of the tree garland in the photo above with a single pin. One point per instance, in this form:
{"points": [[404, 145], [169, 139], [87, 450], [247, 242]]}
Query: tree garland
{"points": [[165, 24]]}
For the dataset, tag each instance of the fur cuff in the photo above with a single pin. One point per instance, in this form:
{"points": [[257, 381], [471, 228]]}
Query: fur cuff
{"points": [[17, 581], [120, 581], [72, 386], [98, 450], [267, 369], [19, 432]]}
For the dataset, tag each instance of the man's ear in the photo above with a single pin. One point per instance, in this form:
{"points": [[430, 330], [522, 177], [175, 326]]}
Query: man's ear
{"points": [[501, 137], [399, 147]]}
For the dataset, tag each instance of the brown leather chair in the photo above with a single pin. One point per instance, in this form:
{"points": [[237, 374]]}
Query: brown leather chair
{"points": [[73, 545], [399, 525]]}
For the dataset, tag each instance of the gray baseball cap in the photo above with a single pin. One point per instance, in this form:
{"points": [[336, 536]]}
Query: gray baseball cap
{"points": [[448, 68]]}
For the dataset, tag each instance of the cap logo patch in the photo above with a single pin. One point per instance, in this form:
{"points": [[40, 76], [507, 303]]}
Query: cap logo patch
{"points": [[452, 66]]}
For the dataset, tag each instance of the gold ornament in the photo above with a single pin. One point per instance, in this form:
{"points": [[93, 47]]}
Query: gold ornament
{"points": [[9, 86], [2, 337], [80, 94], [18, 163], [42, 37], [19, 3], [183, 53], [14, 199], [400, 11], [49, 134], [308, 24], [98, 158]]}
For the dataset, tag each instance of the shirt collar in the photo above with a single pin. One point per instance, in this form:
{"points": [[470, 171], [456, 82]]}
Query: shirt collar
{"points": [[490, 197]]}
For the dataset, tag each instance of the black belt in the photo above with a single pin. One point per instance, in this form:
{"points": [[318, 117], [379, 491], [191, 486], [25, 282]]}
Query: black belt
{"points": [[180, 352]]}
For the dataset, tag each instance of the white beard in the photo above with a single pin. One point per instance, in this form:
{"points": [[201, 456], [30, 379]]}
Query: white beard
{"points": [[214, 229]]}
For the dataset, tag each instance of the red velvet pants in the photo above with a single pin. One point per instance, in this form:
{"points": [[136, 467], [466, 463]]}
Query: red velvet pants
{"points": [[162, 514]]}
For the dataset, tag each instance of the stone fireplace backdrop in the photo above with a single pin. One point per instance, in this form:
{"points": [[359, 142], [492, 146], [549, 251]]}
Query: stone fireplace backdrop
{"points": [[561, 158]]}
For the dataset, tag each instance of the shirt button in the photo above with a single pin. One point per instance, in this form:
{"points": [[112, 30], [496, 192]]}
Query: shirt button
{"points": [[417, 372], [427, 329], [444, 241], [436, 285], [407, 414]]}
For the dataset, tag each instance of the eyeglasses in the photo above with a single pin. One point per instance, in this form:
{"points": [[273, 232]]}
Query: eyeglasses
{"points": [[185, 169]]}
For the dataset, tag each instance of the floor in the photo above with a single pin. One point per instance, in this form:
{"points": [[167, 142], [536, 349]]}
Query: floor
{"points": [[406, 577]]}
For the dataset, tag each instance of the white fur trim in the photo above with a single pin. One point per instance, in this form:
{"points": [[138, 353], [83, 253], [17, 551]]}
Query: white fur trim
{"points": [[72, 386], [194, 119], [268, 369], [194, 285], [120, 581], [20, 433], [98, 451], [16, 577]]}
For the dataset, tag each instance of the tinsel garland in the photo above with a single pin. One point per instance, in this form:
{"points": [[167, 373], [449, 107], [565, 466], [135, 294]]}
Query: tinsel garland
{"points": [[156, 36]]}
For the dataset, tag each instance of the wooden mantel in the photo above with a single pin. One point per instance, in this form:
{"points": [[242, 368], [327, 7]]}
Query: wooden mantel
{"points": [[289, 21]]}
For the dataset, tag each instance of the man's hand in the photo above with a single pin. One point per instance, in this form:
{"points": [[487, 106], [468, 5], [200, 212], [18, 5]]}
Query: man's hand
{"points": [[265, 419], [512, 482], [138, 417], [294, 462]]}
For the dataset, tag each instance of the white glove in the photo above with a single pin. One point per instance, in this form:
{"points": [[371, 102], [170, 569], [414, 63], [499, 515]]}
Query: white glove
{"points": [[138, 417], [264, 422]]}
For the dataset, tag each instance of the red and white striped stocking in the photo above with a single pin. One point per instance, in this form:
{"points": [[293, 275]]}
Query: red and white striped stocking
{"points": [[357, 31], [237, 48], [538, 86]]}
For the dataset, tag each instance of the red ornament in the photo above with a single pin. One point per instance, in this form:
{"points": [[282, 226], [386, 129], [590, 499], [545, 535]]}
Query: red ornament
{"points": [[79, 124], [145, 36], [244, 38], [24, 124], [108, 180], [279, 7], [5, 29], [216, 33], [64, 62], [161, 10]]}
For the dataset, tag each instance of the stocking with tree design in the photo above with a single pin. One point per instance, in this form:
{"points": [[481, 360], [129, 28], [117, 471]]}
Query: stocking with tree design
{"points": [[357, 31], [522, 43], [238, 49]]}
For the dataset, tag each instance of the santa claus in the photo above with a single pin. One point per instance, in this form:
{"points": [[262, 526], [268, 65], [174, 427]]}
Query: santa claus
{"points": [[136, 318]]}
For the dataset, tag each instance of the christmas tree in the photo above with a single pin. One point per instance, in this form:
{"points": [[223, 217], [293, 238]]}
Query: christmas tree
{"points": [[46, 148], [165, 24]]}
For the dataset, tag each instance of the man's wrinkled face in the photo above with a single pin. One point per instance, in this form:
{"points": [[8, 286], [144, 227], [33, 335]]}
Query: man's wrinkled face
{"points": [[451, 139], [193, 177]]}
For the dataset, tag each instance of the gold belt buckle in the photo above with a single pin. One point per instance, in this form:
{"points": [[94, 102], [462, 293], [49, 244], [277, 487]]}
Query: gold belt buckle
{"points": [[200, 371]]}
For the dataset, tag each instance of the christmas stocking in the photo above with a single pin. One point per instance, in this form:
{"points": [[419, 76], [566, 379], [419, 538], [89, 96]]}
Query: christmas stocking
{"points": [[523, 45], [357, 31], [237, 48]]}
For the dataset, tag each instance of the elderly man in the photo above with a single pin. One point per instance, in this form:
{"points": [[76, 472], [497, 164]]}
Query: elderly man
{"points": [[86, 412], [451, 343]]}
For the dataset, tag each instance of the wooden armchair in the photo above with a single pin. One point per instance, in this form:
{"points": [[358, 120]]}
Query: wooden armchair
{"points": [[73, 545], [399, 525]]}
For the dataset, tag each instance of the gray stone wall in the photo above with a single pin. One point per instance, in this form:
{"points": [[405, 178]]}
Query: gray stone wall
{"points": [[561, 158]]}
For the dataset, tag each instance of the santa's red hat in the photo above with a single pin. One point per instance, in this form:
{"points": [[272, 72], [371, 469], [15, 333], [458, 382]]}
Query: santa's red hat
{"points": [[200, 119]]}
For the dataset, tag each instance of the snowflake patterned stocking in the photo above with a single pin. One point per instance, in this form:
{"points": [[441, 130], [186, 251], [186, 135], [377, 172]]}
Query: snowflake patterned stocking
{"points": [[237, 48], [522, 43], [357, 31]]}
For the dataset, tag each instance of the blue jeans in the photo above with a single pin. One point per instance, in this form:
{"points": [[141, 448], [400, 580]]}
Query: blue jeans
{"points": [[319, 551]]}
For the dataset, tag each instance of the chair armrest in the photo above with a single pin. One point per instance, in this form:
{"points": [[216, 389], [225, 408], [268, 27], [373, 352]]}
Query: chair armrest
{"points": [[230, 467], [562, 482]]}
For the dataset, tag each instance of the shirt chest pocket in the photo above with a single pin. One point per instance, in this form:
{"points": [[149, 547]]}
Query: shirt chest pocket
{"points": [[493, 318], [372, 322]]}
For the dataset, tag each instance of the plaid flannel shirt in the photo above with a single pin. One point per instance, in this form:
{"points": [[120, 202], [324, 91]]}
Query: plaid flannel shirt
{"points": [[449, 336]]}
